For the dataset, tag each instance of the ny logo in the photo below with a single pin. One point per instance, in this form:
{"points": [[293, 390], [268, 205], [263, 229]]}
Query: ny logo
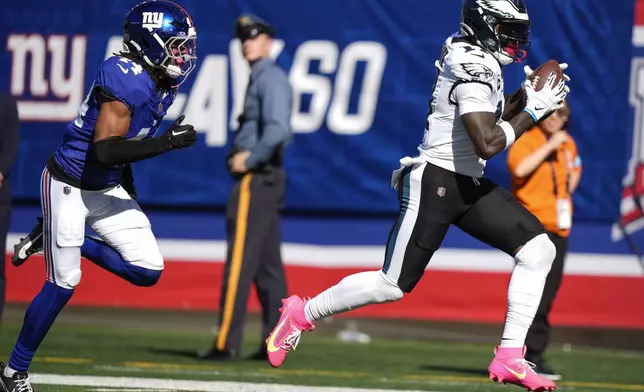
{"points": [[152, 20], [47, 75]]}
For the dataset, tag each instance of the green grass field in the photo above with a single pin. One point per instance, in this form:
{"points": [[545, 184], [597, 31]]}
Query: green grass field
{"points": [[167, 353]]}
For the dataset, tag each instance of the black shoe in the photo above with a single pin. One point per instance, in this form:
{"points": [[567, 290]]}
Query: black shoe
{"points": [[32, 243], [544, 370], [214, 354], [19, 382]]}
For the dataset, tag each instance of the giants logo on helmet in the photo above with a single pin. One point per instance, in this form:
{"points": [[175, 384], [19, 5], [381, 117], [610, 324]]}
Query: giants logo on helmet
{"points": [[152, 20]]}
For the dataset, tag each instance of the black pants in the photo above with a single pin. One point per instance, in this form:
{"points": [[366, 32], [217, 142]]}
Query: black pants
{"points": [[5, 220], [431, 200], [539, 333], [254, 255]]}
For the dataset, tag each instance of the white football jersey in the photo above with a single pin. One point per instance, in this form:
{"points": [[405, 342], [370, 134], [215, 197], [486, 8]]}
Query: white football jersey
{"points": [[468, 80]]}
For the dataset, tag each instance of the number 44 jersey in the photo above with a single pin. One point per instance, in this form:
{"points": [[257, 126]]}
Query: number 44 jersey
{"points": [[127, 82], [468, 80]]}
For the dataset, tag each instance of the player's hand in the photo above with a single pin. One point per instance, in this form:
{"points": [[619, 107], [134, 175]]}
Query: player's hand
{"points": [[180, 136], [542, 103]]}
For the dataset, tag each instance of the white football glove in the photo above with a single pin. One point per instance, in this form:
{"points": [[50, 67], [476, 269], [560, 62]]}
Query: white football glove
{"points": [[528, 72], [551, 97]]}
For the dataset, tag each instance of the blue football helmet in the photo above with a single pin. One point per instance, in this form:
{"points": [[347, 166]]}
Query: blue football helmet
{"points": [[162, 34], [502, 27]]}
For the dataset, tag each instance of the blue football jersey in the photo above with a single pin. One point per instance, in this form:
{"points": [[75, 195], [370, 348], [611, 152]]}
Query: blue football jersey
{"points": [[129, 83]]}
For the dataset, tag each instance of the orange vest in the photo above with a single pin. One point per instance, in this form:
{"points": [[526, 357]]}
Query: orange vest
{"points": [[550, 181]]}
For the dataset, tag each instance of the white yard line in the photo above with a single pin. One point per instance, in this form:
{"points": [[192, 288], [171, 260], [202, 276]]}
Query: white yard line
{"points": [[148, 384]]}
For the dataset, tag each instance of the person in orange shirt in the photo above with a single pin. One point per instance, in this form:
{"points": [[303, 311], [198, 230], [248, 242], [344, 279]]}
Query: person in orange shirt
{"points": [[545, 170]]}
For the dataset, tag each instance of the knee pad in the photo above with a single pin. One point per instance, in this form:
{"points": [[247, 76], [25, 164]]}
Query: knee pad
{"points": [[537, 254], [68, 279], [386, 290], [151, 261]]}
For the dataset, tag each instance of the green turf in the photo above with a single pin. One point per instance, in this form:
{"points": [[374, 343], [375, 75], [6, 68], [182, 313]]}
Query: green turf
{"points": [[319, 360]]}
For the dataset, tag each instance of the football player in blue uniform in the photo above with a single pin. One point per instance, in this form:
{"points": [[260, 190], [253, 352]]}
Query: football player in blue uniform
{"points": [[82, 183]]}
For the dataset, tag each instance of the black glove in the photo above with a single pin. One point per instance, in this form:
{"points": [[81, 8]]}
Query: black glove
{"points": [[128, 181], [180, 136]]}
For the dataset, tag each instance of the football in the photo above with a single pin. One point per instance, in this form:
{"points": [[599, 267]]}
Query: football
{"points": [[545, 71]]}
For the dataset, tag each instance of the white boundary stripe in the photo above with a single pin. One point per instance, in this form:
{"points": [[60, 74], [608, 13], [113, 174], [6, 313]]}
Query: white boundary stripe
{"points": [[185, 385], [328, 256], [638, 35]]}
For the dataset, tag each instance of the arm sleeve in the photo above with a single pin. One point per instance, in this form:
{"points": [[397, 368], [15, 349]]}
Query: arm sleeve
{"points": [[118, 151], [277, 99], [10, 135], [473, 96]]}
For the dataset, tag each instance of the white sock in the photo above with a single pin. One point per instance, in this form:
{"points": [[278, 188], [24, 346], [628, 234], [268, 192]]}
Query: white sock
{"points": [[352, 292], [9, 372], [533, 264]]}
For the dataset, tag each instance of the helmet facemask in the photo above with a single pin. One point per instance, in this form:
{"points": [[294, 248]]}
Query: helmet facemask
{"points": [[513, 40], [180, 57]]}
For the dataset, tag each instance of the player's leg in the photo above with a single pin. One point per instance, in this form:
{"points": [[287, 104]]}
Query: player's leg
{"points": [[539, 332], [28, 245], [127, 247], [499, 220], [64, 228], [423, 221]]}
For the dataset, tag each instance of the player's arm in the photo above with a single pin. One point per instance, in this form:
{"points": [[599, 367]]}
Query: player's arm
{"points": [[474, 100], [514, 104], [110, 146], [490, 138]]}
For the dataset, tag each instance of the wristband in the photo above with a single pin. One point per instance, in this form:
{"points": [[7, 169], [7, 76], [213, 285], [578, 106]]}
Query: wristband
{"points": [[510, 136], [531, 113]]}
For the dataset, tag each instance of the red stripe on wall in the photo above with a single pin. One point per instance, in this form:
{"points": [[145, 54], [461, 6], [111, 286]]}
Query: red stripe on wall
{"points": [[592, 301], [639, 12]]}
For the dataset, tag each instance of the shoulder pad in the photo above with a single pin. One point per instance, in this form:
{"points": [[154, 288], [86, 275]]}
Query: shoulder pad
{"points": [[126, 80], [469, 62]]}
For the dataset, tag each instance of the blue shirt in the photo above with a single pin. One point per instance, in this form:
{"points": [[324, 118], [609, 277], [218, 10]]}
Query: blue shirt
{"points": [[130, 84], [267, 113]]}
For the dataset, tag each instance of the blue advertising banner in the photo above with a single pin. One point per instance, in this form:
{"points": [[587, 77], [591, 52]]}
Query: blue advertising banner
{"points": [[361, 73]]}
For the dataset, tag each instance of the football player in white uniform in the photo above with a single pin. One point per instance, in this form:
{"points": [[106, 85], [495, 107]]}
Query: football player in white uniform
{"points": [[468, 123]]}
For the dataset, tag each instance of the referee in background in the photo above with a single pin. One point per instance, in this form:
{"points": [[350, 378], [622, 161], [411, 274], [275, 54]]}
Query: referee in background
{"points": [[253, 210]]}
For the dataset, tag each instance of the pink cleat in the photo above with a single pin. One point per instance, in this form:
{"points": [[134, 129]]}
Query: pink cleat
{"points": [[509, 366], [286, 334]]}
